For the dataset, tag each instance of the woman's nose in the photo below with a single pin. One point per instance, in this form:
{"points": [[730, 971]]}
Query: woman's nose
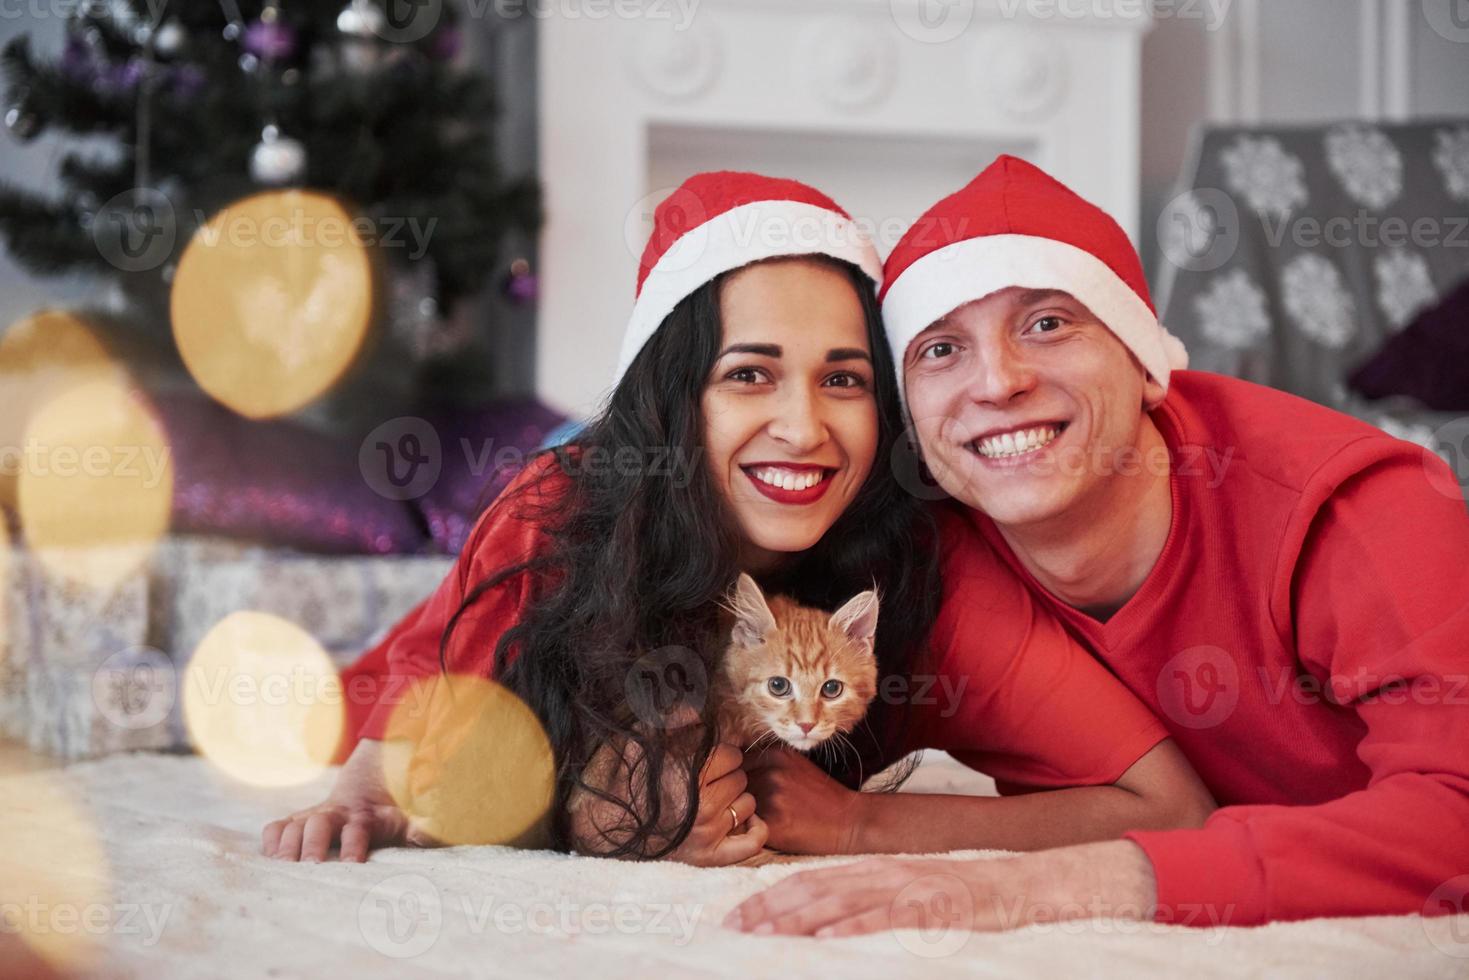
{"points": [[798, 422]]}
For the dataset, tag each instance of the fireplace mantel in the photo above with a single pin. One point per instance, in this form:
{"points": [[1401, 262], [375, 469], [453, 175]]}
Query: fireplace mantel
{"points": [[885, 104]]}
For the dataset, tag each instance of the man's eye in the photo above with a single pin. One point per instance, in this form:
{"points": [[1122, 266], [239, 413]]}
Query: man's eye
{"points": [[940, 349], [1046, 324]]}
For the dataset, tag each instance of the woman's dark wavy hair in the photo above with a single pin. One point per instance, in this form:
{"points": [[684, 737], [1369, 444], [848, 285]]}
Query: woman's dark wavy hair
{"points": [[640, 558]]}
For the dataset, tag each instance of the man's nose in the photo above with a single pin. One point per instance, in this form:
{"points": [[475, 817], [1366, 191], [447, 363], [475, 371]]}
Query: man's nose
{"points": [[1001, 374]]}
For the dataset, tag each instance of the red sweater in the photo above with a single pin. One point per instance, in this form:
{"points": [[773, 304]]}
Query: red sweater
{"points": [[1304, 635]]}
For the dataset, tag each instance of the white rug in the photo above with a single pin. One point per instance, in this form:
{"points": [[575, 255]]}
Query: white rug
{"points": [[160, 867]]}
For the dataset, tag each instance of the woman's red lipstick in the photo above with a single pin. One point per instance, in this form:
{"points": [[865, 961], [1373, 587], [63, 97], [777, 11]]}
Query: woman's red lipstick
{"points": [[808, 495]]}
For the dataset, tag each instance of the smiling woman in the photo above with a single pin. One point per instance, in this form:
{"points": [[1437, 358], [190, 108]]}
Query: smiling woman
{"points": [[593, 593]]}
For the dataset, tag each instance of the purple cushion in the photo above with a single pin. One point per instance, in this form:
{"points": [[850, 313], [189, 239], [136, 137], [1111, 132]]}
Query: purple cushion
{"points": [[277, 483], [1428, 360], [482, 450]]}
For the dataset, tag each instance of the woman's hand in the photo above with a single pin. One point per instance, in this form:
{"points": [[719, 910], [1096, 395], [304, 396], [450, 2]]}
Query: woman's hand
{"points": [[360, 814], [711, 842], [807, 811], [727, 830]]}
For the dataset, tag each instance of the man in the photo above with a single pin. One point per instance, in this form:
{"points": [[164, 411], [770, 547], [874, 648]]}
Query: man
{"points": [[1286, 588]]}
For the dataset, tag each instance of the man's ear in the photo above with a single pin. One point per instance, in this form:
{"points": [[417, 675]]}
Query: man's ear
{"points": [[1153, 392], [858, 618], [753, 618]]}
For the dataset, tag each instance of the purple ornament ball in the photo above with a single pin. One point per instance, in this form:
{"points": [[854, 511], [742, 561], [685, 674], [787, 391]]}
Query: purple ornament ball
{"points": [[269, 41]]}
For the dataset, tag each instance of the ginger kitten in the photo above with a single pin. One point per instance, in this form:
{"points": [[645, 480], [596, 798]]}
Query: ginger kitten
{"points": [[794, 673]]}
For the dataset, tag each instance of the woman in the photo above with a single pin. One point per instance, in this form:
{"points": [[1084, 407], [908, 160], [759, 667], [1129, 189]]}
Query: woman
{"points": [[754, 353]]}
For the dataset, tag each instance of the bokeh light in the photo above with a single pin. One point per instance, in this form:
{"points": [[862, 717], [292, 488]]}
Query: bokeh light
{"points": [[54, 875], [40, 356], [470, 761], [262, 701], [96, 481], [272, 300]]}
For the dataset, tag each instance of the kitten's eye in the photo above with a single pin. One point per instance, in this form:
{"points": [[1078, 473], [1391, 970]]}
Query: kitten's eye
{"points": [[779, 686], [831, 689]]}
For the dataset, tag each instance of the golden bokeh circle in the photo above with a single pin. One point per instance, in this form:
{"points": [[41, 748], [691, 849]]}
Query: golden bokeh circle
{"points": [[262, 700], [96, 483], [40, 356], [272, 300], [470, 762], [54, 873]]}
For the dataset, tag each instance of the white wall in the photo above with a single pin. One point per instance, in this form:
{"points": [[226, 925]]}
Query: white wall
{"points": [[1292, 61]]}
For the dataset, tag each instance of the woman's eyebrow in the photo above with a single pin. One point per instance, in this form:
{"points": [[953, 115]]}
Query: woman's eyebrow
{"points": [[764, 350], [847, 354]]}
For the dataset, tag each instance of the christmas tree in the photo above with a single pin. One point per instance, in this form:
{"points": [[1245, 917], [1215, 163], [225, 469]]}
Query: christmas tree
{"points": [[208, 102]]}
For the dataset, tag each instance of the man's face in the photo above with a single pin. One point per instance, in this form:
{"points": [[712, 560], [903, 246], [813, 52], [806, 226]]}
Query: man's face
{"points": [[1026, 405]]}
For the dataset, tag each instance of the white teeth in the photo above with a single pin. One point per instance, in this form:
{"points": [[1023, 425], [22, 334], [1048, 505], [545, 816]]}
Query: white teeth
{"points": [[788, 479], [1016, 443]]}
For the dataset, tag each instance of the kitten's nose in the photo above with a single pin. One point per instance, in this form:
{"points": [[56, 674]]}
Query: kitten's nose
{"points": [[805, 726]]}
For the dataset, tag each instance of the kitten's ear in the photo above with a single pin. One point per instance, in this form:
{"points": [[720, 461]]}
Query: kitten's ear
{"points": [[858, 618], [753, 618]]}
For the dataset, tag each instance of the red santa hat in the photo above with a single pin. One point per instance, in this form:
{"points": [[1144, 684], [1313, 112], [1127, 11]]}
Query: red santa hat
{"points": [[719, 221], [1015, 225]]}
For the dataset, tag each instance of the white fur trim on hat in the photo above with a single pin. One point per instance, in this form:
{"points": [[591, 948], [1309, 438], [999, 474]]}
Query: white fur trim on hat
{"points": [[737, 237], [948, 278]]}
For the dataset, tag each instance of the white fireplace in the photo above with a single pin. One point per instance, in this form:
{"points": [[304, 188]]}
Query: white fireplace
{"points": [[886, 105]]}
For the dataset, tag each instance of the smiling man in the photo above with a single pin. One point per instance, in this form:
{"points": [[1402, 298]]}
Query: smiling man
{"points": [[1287, 589]]}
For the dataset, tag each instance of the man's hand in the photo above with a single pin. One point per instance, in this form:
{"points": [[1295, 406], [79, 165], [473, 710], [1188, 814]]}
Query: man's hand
{"points": [[806, 810], [1112, 879]]}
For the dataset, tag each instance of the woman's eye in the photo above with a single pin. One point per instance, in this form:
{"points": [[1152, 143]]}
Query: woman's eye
{"points": [[940, 349], [831, 689], [1046, 324], [779, 686], [745, 375], [847, 379]]}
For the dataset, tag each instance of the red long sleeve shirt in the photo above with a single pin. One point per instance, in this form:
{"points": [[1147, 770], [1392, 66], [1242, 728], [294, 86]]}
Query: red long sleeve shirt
{"points": [[1304, 635], [1010, 693]]}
